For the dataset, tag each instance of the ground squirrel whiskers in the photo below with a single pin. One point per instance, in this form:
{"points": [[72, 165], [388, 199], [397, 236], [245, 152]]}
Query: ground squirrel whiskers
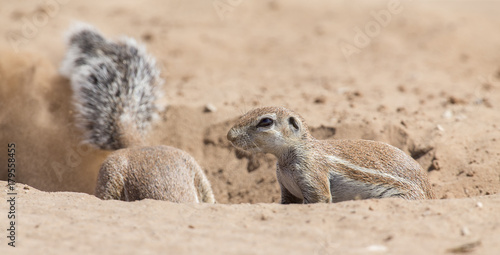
{"points": [[115, 86], [311, 170]]}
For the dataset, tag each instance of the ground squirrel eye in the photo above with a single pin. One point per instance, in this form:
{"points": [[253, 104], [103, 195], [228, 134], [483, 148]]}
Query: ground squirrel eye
{"points": [[293, 122], [265, 122]]}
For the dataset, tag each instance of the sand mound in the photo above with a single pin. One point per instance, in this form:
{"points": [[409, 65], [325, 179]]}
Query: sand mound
{"points": [[63, 222]]}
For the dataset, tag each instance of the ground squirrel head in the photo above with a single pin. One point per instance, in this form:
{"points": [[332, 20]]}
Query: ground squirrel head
{"points": [[269, 130]]}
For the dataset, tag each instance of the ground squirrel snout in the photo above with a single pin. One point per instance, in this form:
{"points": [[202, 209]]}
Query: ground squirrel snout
{"points": [[116, 87], [311, 170]]}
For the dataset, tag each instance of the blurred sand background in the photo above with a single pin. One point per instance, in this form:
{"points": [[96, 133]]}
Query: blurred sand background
{"points": [[425, 78]]}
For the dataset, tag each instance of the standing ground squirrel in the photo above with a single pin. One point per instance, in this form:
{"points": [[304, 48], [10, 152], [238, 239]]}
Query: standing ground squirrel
{"points": [[311, 170], [115, 86]]}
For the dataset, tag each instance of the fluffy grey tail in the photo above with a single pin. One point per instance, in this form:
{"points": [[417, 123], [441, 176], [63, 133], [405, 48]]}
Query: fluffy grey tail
{"points": [[115, 86]]}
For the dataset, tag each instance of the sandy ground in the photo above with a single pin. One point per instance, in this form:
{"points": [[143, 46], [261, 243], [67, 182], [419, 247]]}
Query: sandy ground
{"points": [[424, 77]]}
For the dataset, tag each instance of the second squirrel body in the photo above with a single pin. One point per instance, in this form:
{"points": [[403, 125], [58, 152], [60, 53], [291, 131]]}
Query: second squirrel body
{"points": [[154, 172]]}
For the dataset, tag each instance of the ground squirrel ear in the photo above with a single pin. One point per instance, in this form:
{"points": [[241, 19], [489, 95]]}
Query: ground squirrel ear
{"points": [[293, 123]]}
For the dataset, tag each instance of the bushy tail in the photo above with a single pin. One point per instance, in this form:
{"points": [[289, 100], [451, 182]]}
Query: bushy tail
{"points": [[115, 86]]}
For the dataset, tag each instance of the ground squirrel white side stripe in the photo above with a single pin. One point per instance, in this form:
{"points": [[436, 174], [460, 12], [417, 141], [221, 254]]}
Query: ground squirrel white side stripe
{"points": [[368, 171]]}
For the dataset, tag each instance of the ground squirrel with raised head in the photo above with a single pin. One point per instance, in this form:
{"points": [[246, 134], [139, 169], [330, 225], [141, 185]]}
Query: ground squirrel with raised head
{"points": [[312, 171], [116, 87]]}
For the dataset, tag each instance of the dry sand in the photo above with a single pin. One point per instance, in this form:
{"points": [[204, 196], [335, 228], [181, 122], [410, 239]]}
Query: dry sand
{"points": [[426, 81]]}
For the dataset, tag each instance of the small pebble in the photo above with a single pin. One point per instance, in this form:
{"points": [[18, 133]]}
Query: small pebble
{"points": [[377, 248], [320, 100], [465, 231], [210, 108], [448, 114]]}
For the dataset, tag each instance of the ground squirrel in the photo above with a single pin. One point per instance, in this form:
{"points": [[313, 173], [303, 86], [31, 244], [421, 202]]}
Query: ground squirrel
{"points": [[311, 170], [116, 86]]}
